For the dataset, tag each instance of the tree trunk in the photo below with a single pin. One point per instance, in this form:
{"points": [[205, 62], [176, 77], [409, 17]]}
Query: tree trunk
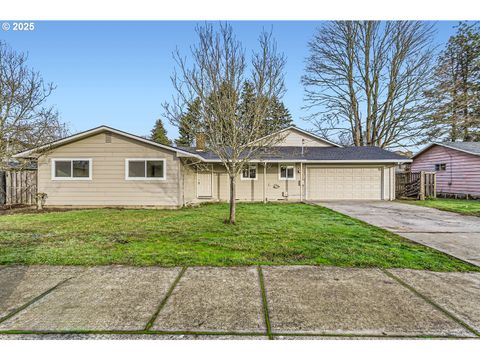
{"points": [[233, 203]]}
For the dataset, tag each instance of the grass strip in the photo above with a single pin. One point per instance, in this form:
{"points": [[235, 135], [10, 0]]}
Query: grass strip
{"points": [[220, 333]]}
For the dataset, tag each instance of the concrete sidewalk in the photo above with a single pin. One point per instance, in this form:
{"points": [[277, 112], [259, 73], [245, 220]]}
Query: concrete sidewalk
{"points": [[454, 234], [276, 302]]}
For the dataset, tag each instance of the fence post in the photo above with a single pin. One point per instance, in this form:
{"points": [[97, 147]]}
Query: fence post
{"points": [[434, 185], [421, 193]]}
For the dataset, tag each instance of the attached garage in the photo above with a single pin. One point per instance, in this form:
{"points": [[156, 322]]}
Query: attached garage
{"points": [[343, 183]]}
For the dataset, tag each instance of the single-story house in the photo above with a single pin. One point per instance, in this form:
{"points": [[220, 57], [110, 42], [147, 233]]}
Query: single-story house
{"points": [[457, 165], [108, 167]]}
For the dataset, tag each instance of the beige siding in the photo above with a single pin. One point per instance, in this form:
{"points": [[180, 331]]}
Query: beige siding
{"points": [[294, 138], [108, 186], [373, 182], [376, 182], [247, 190]]}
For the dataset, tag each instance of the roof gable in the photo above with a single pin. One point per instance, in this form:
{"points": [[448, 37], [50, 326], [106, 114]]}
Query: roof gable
{"points": [[472, 148], [296, 137], [95, 131]]}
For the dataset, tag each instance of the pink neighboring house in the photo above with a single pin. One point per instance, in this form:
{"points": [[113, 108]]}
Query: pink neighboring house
{"points": [[457, 165]]}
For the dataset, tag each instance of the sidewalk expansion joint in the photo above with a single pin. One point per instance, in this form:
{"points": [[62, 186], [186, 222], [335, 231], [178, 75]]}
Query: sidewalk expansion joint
{"points": [[431, 302], [35, 299], [265, 304], [226, 333], [165, 299]]}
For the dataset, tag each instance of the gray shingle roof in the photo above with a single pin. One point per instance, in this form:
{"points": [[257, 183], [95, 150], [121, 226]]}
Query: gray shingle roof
{"points": [[468, 146], [353, 153]]}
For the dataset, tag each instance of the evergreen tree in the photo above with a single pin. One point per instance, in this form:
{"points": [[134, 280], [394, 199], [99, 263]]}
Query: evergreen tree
{"points": [[455, 96], [159, 134], [277, 116], [188, 122]]}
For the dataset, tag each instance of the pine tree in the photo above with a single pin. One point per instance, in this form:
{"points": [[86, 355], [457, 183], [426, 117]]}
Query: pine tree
{"points": [[277, 117], [159, 134], [455, 96], [188, 122]]}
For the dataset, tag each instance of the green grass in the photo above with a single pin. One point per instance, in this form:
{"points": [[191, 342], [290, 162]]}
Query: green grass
{"points": [[465, 207], [275, 234]]}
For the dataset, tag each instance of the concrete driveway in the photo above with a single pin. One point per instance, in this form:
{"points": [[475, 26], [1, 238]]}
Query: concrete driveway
{"points": [[276, 302], [454, 234]]}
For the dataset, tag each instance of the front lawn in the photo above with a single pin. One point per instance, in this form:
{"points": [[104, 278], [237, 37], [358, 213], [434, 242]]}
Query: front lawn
{"points": [[280, 234], [465, 207]]}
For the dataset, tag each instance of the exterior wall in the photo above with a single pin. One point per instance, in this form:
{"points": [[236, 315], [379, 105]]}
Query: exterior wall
{"points": [[247, 190], [462, 175], [276, 189], [294, 138], [108, 186]]}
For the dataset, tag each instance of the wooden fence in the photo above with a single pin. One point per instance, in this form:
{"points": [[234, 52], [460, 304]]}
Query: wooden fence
{"points": [[20, 187], [419, 185]]}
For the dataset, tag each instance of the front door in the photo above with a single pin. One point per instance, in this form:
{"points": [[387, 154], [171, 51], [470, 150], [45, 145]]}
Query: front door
{"points": [[204, 184]]}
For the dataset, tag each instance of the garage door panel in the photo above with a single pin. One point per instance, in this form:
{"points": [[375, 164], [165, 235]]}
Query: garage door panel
{"points": [[344, 183]]}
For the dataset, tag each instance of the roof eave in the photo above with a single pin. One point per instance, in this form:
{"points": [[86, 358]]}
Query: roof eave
{"points": [[35, 152], [444, 145], [363, 161]]}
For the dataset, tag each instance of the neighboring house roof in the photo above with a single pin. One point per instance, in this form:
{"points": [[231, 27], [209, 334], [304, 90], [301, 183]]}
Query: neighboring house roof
{"points": [[468, 147], [316, 154], [94, 131]]}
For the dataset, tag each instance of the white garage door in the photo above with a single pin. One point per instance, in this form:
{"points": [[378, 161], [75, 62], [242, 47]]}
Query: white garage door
{"points": [[342, 183]]}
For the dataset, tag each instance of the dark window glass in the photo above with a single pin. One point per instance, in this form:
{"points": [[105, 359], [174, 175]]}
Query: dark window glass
{"points": [[81, 168], [155, 169], [63, 169], [290, 173], [136, 168], [286, 172], [249, 172], [253, 172], [440, 167]]}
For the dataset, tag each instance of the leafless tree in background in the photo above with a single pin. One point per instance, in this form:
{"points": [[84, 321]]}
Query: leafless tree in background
{"points": [[215, 77], [365, 81], [25, 120]]}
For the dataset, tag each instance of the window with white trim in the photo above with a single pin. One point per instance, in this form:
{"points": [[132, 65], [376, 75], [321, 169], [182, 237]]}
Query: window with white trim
{"points": [[145, 169], [71, 169], [249, 172], [286, 172]]}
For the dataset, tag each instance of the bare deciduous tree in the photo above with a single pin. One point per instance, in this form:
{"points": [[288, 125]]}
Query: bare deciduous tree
{"points": [[365, 81], [215, 76], [25, 120]]}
